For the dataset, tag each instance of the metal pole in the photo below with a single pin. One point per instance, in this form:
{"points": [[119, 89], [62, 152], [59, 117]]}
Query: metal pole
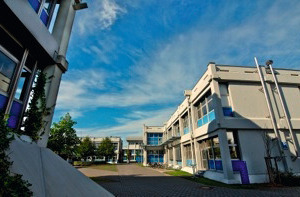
{"points": [[287, 118], [271, 115], [191, 133]]}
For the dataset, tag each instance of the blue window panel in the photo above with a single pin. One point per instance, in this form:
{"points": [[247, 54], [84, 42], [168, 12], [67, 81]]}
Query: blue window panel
{"points": [[44, 17], [205, 119], [3, 102], [179, 163], [155, 135], [218, 164], [200, 122], [150, 134], [211, 116], [161, 159], [189, 162], [186, 130], [35, 4], [160, 135], [227, 111], [15, 114], [211, 164]]}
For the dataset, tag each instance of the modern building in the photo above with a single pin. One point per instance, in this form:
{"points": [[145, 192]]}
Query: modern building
{"points": [[134, 148], [28, 44], [152, 140], [117, 142], [232, 119]]}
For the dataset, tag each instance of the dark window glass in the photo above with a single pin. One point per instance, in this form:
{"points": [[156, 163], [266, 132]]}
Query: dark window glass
{"points": [[7, 68]]}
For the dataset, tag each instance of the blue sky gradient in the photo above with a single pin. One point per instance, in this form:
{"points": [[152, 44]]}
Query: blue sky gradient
{"points": [[130, 61]]}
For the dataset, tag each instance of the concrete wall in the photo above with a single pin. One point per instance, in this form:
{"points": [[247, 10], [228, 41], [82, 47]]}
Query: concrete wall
{"points": [[49, 174]]}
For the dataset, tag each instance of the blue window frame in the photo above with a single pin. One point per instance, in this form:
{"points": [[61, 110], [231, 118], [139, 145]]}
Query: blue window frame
{"points": [[227, 111]]}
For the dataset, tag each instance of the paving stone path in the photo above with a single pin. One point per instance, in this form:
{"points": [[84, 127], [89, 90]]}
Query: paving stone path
{"points": [[133, 180]]}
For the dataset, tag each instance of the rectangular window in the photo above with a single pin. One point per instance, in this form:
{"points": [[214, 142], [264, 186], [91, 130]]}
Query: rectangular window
{"points": [[154, 138], [177, 129], [185, 121], [225, 100], [232, 139], [205, 110], [7, 69]]}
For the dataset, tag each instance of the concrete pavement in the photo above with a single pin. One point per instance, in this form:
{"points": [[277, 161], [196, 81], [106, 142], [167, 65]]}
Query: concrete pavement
{"points": [[133, 180]]}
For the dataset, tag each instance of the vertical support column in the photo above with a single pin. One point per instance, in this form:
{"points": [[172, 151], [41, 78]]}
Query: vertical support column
{"points": [[145, 157], [183, 155], [174, 156], [225, 155], [61, 32]]}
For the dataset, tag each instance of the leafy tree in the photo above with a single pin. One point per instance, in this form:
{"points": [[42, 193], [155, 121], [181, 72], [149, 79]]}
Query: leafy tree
{"points": [[128, 155], [86, 148], [63, 139], [10, 185], [106, 149], [37, 109]]}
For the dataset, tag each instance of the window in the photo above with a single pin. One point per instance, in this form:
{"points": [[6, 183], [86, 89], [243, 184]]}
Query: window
{"points": [[185, 120], [171, 154], [211, 153], [44, 8], [7, 68], [178, 154], [205, 111], [188, 153], [154, 138], [233, 144], [155, 156], [177, 129], [226, 104]]}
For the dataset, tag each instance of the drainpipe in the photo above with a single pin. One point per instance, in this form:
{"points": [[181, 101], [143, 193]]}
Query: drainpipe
{"points": [[271, 111], [287, 118], [191, 130], [61, 32]]}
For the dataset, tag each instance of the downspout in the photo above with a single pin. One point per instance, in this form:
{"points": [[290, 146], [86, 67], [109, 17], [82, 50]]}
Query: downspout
{"points": [[191, 133], [271, 115], [287, 118]]}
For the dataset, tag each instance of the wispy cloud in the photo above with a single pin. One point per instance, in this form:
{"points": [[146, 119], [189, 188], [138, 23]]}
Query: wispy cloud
{"points": [[100, 15], [132, 124]]}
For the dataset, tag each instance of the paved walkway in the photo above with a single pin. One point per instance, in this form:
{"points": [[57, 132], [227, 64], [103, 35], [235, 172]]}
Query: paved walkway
{"points": [[133, 180]]}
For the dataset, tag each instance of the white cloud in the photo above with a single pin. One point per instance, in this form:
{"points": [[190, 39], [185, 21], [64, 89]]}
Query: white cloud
{"points": [[99, 16], [129, 126]]}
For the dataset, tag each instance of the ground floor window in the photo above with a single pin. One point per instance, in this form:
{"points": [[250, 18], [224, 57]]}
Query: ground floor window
{"points": [[211, 153], [155, 156], [188, 154], [178, 155]]}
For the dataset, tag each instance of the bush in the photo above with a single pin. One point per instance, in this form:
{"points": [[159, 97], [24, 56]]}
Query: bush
{"points": [[289, 179]]}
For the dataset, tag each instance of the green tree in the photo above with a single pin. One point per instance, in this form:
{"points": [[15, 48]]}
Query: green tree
{"points": [[63, 139], [128, 155], [86, 148], [106, 149], [34, 123], [10, 185]]}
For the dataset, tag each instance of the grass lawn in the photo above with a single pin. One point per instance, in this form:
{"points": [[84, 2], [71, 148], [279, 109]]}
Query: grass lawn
{"points": [[108, 167], [213, 183]]}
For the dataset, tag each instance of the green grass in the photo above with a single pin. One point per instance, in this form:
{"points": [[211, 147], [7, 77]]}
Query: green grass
{"points": [[140, 164], [107, 167], [213, 183]]}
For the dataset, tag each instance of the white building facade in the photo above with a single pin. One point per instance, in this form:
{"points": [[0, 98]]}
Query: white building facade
{"points": [[134, 148], [230, 121], [117, 142]]}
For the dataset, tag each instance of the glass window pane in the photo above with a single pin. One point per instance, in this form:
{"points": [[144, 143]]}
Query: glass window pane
{"points": [[233, 152], [217, 153], [230, 137], [204, 110], [210, 106], [22, 85], [7, 68]]}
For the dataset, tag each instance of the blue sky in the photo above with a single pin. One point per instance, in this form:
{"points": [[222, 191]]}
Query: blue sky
{"points": [[130, 61]]}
